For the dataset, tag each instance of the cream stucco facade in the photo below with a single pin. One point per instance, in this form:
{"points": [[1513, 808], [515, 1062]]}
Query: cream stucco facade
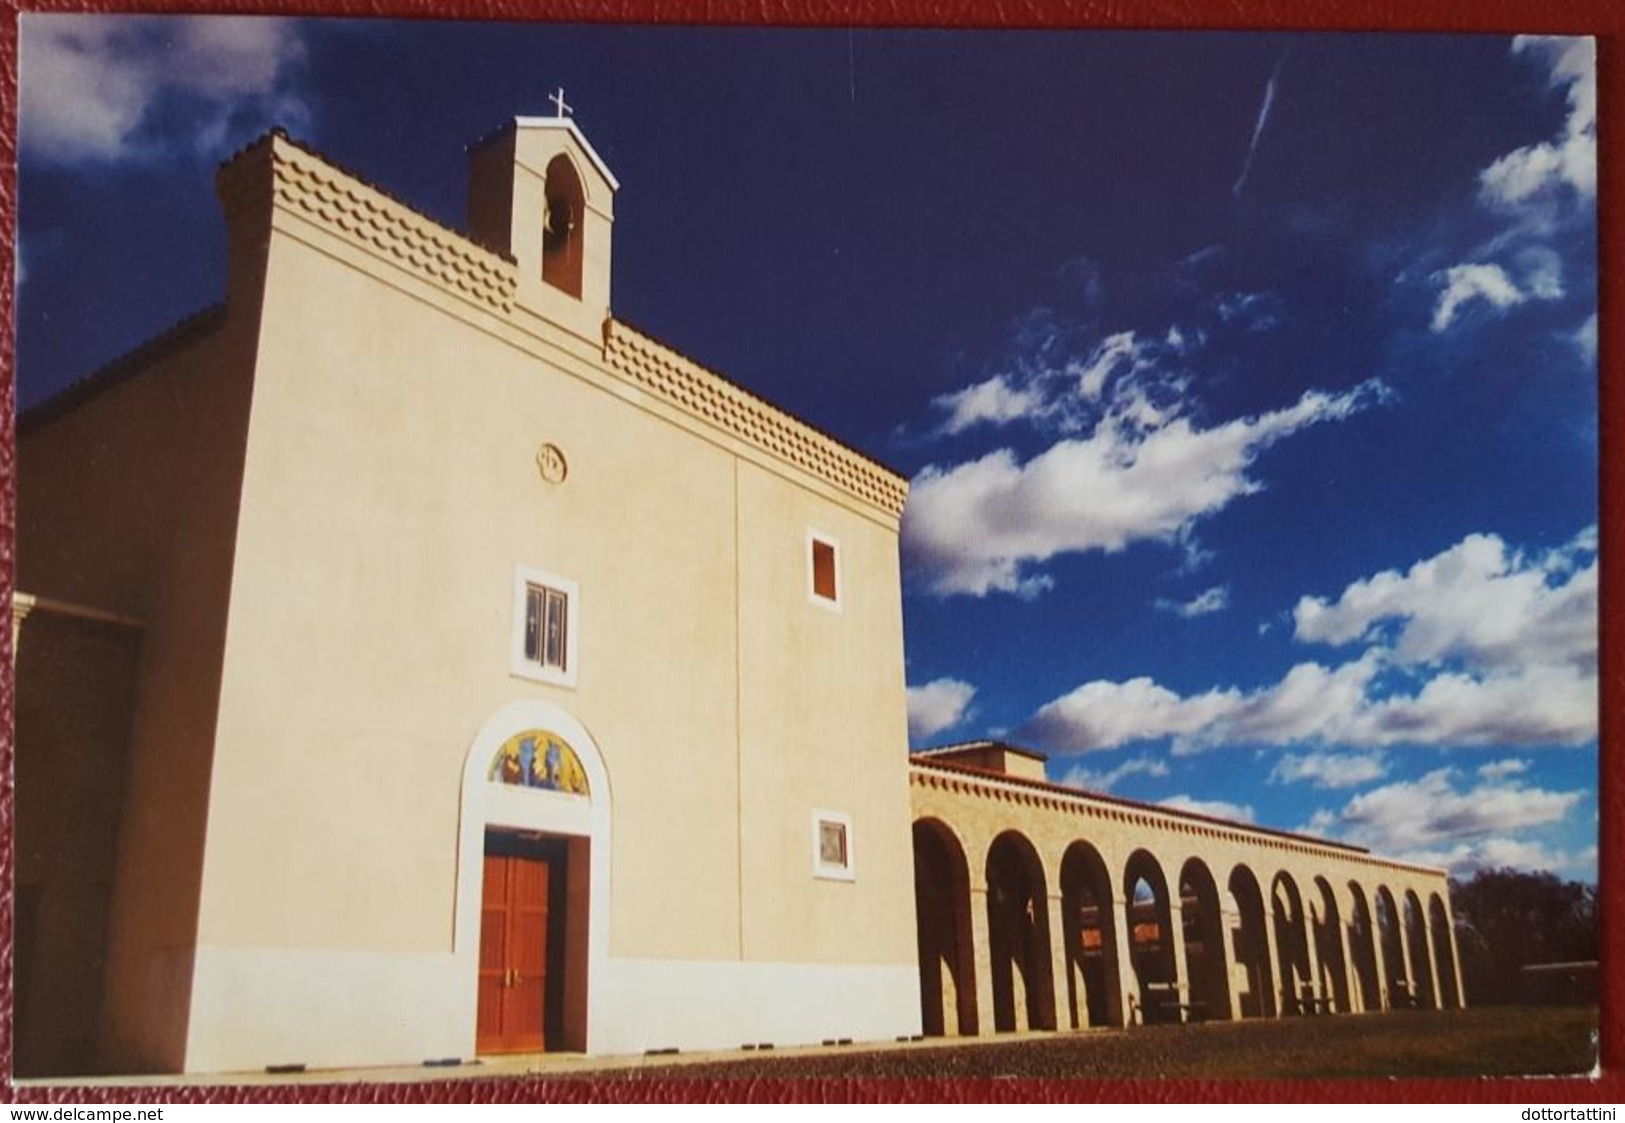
{"points": [[328, 502]]}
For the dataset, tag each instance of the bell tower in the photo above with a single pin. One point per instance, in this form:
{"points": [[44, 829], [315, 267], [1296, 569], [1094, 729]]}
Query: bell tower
{"points": [[538, 192]]}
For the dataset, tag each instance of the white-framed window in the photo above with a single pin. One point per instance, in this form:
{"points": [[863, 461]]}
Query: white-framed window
{"points": [[823, 570], [545, 609], [832, 846]]}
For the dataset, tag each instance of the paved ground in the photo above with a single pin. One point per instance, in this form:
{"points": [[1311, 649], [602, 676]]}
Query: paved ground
{"points": [[1506, 1041]]}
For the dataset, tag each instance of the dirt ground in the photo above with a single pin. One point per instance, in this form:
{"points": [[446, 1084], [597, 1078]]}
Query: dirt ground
{"points": [[1503, 1041]]}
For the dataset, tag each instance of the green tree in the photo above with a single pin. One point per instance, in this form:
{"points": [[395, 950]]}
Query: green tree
{"points": [[1507, 919]]}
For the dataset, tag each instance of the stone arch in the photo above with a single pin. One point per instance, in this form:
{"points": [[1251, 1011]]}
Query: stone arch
{"points": [[1251, 941], [1291, 941], [1444, 953], [1090, 939], [1395, 979], [563, 226], [581, 822], [1416, 942], [1018, 935], [943, 923], [1363, 950], [1327, 928], [1151, 936], [1203, 921]]}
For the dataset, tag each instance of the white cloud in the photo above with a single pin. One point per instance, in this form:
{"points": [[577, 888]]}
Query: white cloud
{"points": [[1585, 338], [994, 401], [1258, 130], [1209, 601], [1435, 821], [1104, 715], [1465, 283], [1329, 769], [1501, 769], [938, 705], [87, 82], [1465, 859], [1478, 646], [1105, 781], [1216, 808], [1478, 601], [1568, 160], [979, 527]]}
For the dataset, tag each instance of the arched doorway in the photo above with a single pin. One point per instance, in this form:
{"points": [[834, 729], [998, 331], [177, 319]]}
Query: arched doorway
{"points": [[1328, 935], [942, 917], [1018, 936], [1393, 952], [1363, 949], [1093, 995], [1444, 953], [1204, 941], [532, 921], [1151, 938], [1291, 944], [1416, 942], [1252, 945]]}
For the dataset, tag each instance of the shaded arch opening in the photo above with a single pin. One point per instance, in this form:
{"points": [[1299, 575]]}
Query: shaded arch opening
{"points": [[943, 928], [1444, 953], [1204, 942], [1151, 939], [1251, 942], [1327, 928], [1093, 995], [1416, 942], [1394, 978], [1018, 936], [1363, 950], [1291, 944]]}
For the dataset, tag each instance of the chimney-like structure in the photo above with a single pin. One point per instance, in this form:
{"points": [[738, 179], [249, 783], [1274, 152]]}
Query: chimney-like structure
{"points": [[538, 193]]}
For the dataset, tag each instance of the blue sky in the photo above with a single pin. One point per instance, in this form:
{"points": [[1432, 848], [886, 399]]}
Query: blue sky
{"points": [[1246, 382]]}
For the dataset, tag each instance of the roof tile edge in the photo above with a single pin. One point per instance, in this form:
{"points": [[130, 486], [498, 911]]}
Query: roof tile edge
{"points": [[368, 217], [1268, 835], [653, 366]]}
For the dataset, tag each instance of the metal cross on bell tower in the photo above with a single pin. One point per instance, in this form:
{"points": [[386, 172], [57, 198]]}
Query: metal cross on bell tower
{"points": [[563, 108]]}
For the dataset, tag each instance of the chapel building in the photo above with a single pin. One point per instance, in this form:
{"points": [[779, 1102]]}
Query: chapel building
{"points": [[415, 662], [477, 674]]}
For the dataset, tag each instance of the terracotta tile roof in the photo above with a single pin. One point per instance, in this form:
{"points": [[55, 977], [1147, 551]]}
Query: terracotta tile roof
{"points": [[194, 327], [1134, 804], [971, 746]]}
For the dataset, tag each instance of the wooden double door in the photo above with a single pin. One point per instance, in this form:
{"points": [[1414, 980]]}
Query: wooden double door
{"points": [[520, 927]]}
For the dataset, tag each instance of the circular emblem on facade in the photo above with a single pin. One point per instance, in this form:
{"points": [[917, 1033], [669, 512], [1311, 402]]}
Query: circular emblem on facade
{"points": [[551, 463]]}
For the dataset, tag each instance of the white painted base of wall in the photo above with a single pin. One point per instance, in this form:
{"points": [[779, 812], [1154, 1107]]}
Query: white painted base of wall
{"points": [[686, 1004], [253, 1007]]}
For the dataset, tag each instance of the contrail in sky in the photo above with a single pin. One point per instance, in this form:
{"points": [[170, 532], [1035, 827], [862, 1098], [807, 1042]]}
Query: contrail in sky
{"points": [[1258, 128]]}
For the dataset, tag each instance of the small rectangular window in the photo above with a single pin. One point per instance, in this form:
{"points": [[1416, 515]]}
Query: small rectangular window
{"points": [[832, 846], [823, 570], [544, 627], [547, 626]]}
